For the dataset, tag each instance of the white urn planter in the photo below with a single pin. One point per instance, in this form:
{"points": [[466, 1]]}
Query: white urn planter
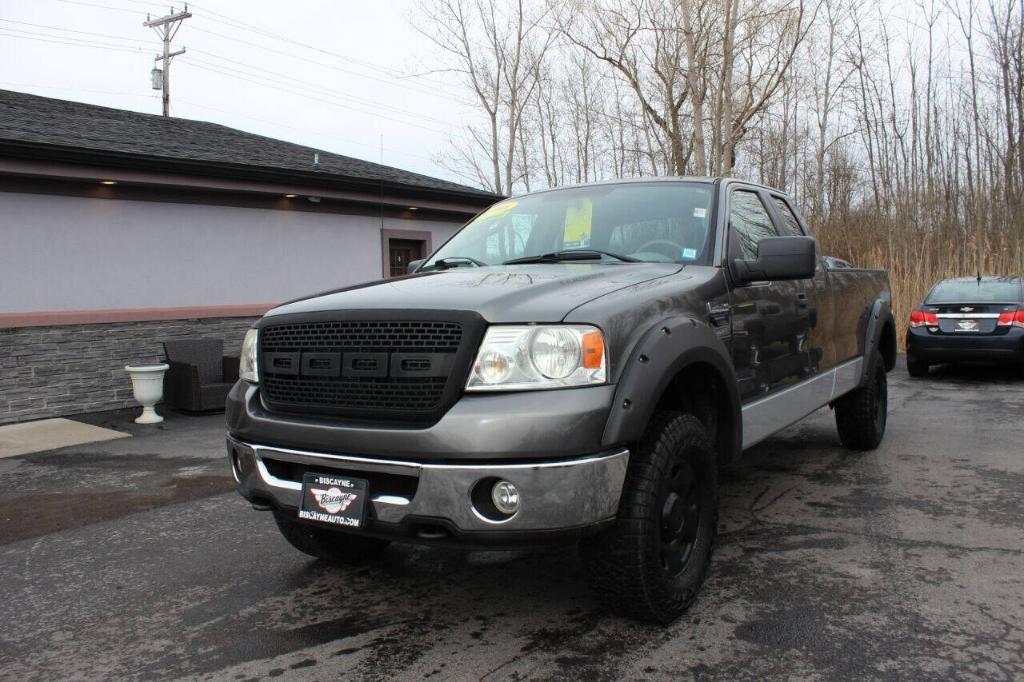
{"points": [[148, 388]]}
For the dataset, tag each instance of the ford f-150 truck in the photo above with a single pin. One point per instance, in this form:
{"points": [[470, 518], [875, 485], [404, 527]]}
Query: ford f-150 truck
{"points": [[574, 365]]}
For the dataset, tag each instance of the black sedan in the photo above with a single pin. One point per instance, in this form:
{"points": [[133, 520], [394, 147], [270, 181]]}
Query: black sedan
{"points": [[968, 318]]}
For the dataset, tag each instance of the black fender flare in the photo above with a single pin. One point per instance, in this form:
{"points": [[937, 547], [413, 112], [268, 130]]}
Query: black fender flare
{"points": [[877, 319], [666, 349]]}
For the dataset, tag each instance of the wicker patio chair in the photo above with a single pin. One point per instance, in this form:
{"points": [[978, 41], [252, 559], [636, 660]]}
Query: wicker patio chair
{"points": [[200, 375]]}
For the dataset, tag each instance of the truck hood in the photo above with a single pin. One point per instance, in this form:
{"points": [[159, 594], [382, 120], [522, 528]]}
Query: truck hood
{"points": [[505, 293]]}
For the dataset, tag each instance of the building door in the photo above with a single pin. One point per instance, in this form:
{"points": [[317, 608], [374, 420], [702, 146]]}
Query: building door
{"points": [[401, 252]]}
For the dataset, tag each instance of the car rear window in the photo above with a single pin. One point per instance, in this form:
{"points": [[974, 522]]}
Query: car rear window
{"points": [[972, 291]]}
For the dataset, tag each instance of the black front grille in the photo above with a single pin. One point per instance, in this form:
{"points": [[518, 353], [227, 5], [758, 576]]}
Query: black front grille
{"points": [[382, 336], [386, 394], [390, 369]]}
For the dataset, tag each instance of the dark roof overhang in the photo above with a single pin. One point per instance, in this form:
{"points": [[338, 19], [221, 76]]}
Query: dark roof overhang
{"points": [[312, 179]]}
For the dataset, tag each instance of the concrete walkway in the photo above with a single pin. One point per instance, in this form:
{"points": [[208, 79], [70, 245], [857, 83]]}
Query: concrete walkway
{"points": [[51, 434]]}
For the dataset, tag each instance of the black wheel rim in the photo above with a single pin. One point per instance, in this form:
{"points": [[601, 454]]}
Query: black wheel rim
{"points": [[680, 519]]}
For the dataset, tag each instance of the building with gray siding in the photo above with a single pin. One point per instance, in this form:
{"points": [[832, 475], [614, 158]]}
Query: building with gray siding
{"points": [[120, 230]]}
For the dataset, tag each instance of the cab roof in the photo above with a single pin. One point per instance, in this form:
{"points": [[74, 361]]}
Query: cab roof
{"points": [[707, 180]]}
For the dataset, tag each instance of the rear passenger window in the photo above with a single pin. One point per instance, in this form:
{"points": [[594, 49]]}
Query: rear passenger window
{"points": [[749, 222], [790, 225]]}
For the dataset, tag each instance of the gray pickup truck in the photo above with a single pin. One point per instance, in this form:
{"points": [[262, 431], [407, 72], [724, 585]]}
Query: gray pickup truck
{"points": [[574, 365]]}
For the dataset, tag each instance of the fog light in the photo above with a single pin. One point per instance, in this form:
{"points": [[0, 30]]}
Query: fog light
{"points": [[505, 497]]}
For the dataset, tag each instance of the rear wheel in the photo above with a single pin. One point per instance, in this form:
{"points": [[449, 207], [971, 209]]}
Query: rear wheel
{"points": [[861, 414], [332, 546], [916, 367], [651, 563]]}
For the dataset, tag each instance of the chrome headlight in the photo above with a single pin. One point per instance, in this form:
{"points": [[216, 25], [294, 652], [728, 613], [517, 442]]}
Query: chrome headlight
{"points": [[247, 360], [527, 357]]}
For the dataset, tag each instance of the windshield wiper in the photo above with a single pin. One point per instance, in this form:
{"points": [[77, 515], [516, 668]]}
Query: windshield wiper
{"points": [[571, 254], [454, 262]]}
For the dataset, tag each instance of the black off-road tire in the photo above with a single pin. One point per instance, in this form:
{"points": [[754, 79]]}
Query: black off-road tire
{"points": [[916, 367], [861, 414], [632, 566], [336, 547]]}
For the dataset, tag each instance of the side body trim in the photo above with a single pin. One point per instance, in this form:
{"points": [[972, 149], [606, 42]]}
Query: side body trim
{"points": [[773, 413]]}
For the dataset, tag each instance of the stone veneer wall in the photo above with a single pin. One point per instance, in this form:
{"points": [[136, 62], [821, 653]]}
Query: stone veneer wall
{"points": [[57, 371]]}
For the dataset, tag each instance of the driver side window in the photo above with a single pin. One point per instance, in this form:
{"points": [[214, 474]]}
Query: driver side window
{"points": [[749, 223]]}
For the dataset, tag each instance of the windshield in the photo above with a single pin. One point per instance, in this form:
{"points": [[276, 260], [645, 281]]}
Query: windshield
{"points": [[655, 222], [972, 291]]}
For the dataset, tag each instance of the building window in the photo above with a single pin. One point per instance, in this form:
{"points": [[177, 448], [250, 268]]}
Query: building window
{"points": [[400, 247]]}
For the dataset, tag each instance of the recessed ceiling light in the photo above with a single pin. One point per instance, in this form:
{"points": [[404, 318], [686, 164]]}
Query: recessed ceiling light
{"points": [[108, 182], [414, 208], [289, 196]]}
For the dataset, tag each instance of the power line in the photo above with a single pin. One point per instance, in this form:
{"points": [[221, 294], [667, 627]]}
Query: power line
{"points": [[318, 99], [285, 79], [283, 82], [66, 41], [432, 89], [84, 41], [71, 30], [264, 48], [263, 81], [323, 91], [231, 22], [289, 80], [286, 39], [93, 4]]}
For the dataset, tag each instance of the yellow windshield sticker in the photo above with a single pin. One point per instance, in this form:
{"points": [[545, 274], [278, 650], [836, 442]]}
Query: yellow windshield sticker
{"points": [[498, 210], [577, 224]]}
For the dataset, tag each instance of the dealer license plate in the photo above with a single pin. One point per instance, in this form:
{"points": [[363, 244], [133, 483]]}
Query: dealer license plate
{"points": [[333, 500]]}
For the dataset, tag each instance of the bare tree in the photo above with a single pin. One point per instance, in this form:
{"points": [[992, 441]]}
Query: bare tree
{"points": [[640, 40], [497, 48]]}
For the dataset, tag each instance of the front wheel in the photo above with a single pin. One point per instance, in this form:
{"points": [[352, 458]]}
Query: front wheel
{"points": [[332, 546], [861, 414], [652, 561]]}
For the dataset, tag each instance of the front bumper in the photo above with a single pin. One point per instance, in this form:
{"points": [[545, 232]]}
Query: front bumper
{"points": [[932, 347], [428, 501]]}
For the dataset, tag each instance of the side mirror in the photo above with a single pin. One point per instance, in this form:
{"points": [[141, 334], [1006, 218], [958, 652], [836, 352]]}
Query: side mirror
{"points": [[778, 258], [414, 265]]}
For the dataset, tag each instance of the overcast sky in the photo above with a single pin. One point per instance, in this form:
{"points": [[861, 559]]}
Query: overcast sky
{"points": [[358, 73]]}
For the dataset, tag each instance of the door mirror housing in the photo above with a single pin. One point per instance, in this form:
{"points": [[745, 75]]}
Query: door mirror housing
{"points": [[778, 258], [414, 265]]}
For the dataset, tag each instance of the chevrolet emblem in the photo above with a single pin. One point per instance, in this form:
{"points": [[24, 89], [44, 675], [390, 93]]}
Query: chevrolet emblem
{"points": [[966, 309]]}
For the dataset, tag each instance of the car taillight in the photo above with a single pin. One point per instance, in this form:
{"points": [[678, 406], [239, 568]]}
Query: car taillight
{"points": [[920, 318], [1011, 318]]}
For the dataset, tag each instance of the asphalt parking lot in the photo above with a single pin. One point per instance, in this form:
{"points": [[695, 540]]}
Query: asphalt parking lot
{"points": [[134, 559]]}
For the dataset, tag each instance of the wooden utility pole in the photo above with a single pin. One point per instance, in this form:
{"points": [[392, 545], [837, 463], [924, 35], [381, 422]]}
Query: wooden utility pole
{"points": [[167, 27]]}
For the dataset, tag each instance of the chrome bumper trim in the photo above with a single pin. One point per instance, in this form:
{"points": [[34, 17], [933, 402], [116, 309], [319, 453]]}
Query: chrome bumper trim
{"points": [[967, 316], [555, 495]]}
